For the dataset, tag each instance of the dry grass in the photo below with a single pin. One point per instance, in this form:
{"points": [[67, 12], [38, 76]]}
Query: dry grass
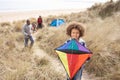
{"points": [[33, 20], [114, 76], [51, 38], [105, 10], [5, 24], [104, 43], [109, 9], [45, 71], [41, 61], [18, 26], [17, 63], [13, 60], [102, 38], [19, 71]]}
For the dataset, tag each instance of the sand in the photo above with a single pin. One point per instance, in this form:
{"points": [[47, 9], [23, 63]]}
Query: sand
{"points": [[23, 15]]}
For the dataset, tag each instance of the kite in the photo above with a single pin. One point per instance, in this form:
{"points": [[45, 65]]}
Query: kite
{"points": [[73, 55]]}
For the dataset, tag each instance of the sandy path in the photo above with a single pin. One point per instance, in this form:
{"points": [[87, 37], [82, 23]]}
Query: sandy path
{"points": [[55, 63]]}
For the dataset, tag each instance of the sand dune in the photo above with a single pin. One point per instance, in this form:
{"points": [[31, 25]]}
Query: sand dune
{"points": [[13, 16]]}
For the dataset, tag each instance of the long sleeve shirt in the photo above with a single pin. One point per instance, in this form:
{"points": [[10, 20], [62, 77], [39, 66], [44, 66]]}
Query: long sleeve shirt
{"points": [[26, 29]]}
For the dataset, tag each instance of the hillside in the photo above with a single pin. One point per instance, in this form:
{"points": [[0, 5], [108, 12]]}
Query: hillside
{"points": [[102, 23]]}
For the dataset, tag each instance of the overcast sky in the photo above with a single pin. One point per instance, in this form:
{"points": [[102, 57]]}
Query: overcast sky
{"points": [[45, 4]]}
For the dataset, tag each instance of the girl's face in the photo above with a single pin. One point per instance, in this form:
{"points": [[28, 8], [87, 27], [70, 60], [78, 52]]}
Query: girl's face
{"points": [[75, 34]]}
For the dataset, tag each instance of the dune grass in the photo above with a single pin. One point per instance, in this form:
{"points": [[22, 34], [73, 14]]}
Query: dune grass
{"points": [[51, 38], [17, 62], [5, 24], [102, 38]]}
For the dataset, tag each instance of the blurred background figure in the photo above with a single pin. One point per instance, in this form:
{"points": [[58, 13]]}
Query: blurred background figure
{"points": [[39, 22], [34, 27]]}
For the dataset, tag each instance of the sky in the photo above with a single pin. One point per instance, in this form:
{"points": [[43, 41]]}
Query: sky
{"points": [[22, 5]]}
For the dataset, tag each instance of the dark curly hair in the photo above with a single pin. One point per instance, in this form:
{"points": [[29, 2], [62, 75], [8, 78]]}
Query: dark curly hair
{"points": [[75, 25]]}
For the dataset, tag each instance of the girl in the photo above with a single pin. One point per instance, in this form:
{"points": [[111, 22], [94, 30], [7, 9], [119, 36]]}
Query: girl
{"points": [[76, 30]]}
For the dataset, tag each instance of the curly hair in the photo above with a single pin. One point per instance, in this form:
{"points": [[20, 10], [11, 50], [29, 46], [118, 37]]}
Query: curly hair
{"points": [[76, 25]]}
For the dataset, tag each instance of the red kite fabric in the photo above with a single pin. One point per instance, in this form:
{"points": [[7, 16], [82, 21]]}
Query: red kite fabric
{"points": [[73, 55]]}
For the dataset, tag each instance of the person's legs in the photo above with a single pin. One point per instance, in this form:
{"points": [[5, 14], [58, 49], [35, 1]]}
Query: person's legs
{"points": [[26, 41], [32, 41], [41, 25]]}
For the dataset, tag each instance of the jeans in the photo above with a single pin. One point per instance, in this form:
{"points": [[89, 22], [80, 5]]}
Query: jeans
{"points": [[78, 75], [26, 40]]}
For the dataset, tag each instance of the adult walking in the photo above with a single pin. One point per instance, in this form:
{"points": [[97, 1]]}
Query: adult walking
{"points": [[27, 31]]}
